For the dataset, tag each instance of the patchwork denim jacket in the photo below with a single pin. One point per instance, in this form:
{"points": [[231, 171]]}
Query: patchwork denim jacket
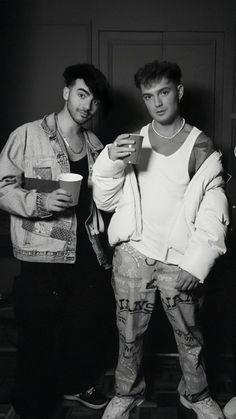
{"points": [[35, 156]]}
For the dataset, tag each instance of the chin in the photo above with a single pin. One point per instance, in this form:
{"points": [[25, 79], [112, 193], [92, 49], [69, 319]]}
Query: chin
{"points": [[81, 121], [161, 120]]}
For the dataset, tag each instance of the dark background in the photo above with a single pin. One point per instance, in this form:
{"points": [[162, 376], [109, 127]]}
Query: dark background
{"points": [[40, 38]]}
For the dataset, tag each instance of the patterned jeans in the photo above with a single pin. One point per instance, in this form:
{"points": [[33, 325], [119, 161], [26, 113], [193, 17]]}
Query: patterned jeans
{"points": [[135, 281]]}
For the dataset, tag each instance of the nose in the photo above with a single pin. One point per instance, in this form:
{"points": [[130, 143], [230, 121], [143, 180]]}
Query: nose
{"points": [[157, 101], [87, 104]]}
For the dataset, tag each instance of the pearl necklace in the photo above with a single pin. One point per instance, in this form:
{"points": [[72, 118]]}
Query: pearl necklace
{"points": [[171, 136], [66, 142]]}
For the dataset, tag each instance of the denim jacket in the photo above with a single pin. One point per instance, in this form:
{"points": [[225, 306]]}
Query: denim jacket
{"points": [[35, 155]]}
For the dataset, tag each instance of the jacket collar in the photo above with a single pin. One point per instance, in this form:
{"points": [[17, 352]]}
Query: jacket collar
{"points": [[49, 126], [213, 161], [211, 169]]}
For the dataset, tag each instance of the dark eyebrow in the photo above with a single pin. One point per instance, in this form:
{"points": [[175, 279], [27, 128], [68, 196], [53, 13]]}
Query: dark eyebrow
{"points": [[83, 90], [159, 91], [164, 88], [147, 94]]}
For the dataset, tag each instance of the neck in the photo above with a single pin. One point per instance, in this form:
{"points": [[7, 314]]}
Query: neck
{"points": [[67, 124], [170, 127], [174, 131]]}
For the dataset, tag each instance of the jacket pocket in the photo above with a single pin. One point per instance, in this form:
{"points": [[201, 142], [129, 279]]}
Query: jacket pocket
{"points": [[42, 172], [60, 230], [41, 167]]}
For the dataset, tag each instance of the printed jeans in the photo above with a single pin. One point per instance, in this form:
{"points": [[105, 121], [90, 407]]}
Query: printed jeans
{"points": [[135, 281]]}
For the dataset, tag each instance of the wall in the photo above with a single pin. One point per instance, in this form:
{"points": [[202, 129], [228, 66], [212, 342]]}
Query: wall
{"points": [[30, 26], [39, 38]]}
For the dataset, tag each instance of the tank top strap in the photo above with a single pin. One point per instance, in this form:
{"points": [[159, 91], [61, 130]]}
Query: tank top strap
{"points": [[188, 145], [144, 132], [192, 136]]}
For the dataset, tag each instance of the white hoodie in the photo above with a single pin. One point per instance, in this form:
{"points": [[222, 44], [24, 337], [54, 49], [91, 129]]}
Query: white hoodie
{"points": [[200, 228]]}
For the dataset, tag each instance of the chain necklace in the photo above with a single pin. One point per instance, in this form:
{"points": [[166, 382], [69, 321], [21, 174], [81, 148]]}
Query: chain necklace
{"points": [[66, 142], [171, 136]]}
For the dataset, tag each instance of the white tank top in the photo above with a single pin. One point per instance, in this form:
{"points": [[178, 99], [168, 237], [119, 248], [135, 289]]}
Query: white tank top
{"points": [[162, 182]]}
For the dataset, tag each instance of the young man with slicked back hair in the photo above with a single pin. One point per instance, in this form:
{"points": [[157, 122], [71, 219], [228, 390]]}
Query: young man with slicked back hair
{"points": [[168, 228]]}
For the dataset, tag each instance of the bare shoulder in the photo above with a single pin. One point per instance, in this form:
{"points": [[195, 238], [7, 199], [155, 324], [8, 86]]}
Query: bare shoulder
{"points": [[204, 143], [202, 149]]}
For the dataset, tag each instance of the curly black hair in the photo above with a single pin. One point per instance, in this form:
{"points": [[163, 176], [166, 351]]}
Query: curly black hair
{"points": [[93, 78]]}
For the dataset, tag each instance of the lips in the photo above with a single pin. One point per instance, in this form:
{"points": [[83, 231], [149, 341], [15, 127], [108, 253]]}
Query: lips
{"points": [[84, 114]]}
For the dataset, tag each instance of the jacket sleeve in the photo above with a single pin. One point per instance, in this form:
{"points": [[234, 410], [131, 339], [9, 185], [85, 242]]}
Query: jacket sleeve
{"points": [[108, 179], [209, 229], [13, 198]]}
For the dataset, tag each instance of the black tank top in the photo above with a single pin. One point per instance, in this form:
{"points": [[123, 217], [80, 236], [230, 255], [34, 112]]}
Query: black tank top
{"points": [[82, 208]]}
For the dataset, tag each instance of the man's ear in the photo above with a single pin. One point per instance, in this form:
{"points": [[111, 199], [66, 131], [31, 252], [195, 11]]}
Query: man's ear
{"points": [[66, 91], [180, 89]]}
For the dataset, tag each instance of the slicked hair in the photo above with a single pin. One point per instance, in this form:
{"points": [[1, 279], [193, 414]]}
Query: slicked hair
{"points": [[156, 70]]}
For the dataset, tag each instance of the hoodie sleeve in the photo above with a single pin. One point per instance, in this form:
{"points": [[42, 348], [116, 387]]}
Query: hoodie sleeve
{"points": [[13, 197], [209, 229], [108, 178]]}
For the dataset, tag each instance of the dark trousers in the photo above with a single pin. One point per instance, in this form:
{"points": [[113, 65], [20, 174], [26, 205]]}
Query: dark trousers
{"points": [[63, 314], [219, 318]]}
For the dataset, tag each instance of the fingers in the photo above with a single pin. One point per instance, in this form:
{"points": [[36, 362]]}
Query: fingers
{"points": [[186, 284], [59, 200], [122, 140], [180, 285], [123, 136], [61, 195], [58, 208], [121, 147], [61, 192]]}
